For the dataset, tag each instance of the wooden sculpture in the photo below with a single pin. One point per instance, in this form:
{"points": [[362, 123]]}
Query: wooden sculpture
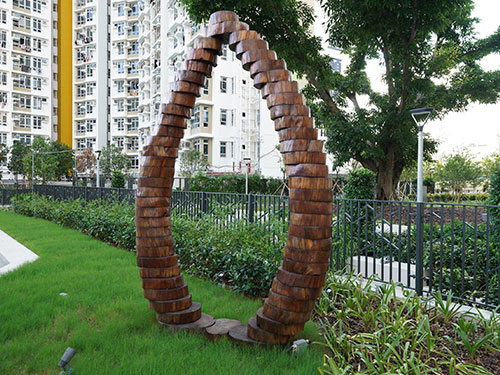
{"points": [[299, 280]]}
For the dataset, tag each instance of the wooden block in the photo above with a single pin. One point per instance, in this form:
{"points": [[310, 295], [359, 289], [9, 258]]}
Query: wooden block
{"points": [[223, 29], [198, 66], [304, 256], [249, 57], [290, 98], [298, 132], [172, 121], [153, 192], [156, 241], [292, 121], [250, 45], [152, 202], [157, 172], [158, 251], [168, 152], [309, 245], [294, 158], [289, 110], [150, 212], [276, 87], [279, 328], [200, 54], [313, 233], [198, 326], [176, 110], [222, 16], [185, 100], [295, 292], [262, 66], [303, 281], [310, 183], [189, 315], [307, 170], [166, 294], [301, 145], [305, 268], [284, 316], [286, 303], [171, 306], [308, 220], [311, 207], [262, 79], [211, 44], [258, 334], [152, 222], [170, 283], [221, 328], [317, 195], [184, 87], [163, 141], [239, 335], [153, 232], [157, 262], [156, 273], [190, 76], [165, 130], [158, 161], [238, 36]]}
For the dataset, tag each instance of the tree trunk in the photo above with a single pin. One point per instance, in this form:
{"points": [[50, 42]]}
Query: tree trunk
{"points": [[387, 180]]}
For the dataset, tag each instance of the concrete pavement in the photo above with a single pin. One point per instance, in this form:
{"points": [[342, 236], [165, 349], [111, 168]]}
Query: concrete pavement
{"points": [[13, 254]]}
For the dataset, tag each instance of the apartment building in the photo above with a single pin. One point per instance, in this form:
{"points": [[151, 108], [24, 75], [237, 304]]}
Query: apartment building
{"points": [[28, 70], [90, 73]]}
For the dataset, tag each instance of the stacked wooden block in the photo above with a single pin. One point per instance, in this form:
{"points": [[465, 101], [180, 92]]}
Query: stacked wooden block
{"points": [[301, 277]]}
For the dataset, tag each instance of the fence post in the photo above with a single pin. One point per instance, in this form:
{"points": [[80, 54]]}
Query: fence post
{"points": [[419, 277], [251, 208]]}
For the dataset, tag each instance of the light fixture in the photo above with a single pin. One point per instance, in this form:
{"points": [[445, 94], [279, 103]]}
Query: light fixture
{"points": [[65, 359]]}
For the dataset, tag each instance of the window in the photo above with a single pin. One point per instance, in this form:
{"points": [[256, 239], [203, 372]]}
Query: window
{"points": [[120, 48], [81, 145], [205, 147], [206, 87], [3, 16], [205, 117], [3, 119], [37, 25], [80, 127], [119, 141], [195, 121], [223, 146], [120, 9], [3, 138], [134, 30], [3, 58], [196, 145], [133, 144], [120, 87], [120, 67], [336, 65], [133, 124], [37, 122], [37, 5], [37, 102], [24, 121], [3, 78], [223, 84], [37, 83], [120, 106], [120, 124], [223, 116], [90, 125], [23, 138], [121, 28], [134, 162], [224, 52]]}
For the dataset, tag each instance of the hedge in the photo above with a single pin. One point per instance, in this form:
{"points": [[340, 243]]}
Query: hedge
{"points": [[235, 183], [244, 256]]}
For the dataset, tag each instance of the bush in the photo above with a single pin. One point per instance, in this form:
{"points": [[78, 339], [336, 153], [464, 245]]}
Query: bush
{"points": [[244, 255], [360, 184], [447, 197], [494, 200], [118, 180], [234, 183]]}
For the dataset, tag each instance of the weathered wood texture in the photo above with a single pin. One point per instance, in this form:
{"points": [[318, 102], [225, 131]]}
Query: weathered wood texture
{"points": [[301, 277]]}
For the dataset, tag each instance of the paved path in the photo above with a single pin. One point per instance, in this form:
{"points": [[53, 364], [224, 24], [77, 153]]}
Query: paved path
{"points": [[13, 254]]}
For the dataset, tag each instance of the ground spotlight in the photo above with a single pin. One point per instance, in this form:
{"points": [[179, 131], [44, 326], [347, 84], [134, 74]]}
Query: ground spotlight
{"points": [[66, 358]]}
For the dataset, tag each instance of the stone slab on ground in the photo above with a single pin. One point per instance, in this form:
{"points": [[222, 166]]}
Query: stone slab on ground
{"points": [[13, 254]]}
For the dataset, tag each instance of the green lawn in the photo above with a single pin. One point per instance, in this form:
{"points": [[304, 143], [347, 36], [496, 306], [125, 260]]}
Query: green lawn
{"points": [[106, 319]]}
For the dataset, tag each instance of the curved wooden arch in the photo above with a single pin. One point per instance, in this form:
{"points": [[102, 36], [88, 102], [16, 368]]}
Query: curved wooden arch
{"points": [[299, 280]]}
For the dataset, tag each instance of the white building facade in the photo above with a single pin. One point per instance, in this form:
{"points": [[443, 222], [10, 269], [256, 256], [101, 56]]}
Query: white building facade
{"points": [[28, 66]]}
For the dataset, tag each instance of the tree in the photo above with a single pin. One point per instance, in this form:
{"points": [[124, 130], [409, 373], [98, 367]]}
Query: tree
{"points": [[112, 159], [429, 52], [490, 164], [191, 162], [360, 184], [15, 164], [3, 156], [118, 179], [45, 164], [457, 171], [86, 161], [65, 159]]}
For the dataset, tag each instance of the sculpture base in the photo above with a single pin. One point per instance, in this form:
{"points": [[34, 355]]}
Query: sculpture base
{"points": [[198, 326]]}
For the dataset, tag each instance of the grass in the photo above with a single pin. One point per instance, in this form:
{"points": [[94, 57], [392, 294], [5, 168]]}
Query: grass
{"points": [[107, 321]]}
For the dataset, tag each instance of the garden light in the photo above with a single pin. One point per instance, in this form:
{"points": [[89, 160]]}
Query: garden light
{"points": [[66, 358]]}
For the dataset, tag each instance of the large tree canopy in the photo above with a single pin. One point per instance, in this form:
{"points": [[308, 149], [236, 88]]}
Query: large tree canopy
{"points": [[427, 48]]}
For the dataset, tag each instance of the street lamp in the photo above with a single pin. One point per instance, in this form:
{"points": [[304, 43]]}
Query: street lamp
{"points": [[247, 163], [421, 116], [98, 182]]}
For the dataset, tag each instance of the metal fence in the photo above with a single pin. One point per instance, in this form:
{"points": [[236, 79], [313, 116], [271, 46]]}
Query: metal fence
{"points": [[427, 247]]}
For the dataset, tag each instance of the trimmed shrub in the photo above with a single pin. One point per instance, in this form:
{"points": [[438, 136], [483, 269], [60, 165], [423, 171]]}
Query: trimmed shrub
{"points": [[234, 183], [244, 256], [360, 184], [118, 180]]}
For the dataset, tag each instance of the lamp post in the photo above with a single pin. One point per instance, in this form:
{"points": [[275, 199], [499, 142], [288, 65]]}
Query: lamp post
{"points": [[247, 161], [420, 116], [98, 181]]}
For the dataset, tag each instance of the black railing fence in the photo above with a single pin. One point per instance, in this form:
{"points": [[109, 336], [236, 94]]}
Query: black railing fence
{"points": [[426, 247]]}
